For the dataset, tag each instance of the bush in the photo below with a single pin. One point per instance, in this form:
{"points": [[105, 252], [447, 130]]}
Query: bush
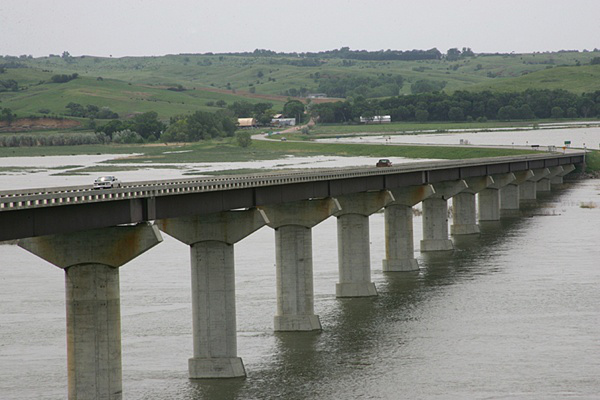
{"points": [[244, 139], [127, 136]]}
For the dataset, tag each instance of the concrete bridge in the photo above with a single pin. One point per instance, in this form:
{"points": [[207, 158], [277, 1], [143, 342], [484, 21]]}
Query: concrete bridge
{"points": [[91, 233]]}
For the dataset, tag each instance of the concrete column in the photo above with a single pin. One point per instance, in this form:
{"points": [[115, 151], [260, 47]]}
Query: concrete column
{"points": [[543, 185], [293, 247], [528, 189], [464, 220], [211, 239], [399, 246], [354, 256], [489, 198], [558, 179], [435, 216], [91, 260], [510, 197]]}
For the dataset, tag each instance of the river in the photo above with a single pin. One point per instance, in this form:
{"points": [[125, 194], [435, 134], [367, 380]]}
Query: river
{"points": [[582, 137], [513, 313]]}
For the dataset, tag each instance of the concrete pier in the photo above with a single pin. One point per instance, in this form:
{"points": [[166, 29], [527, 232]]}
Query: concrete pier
{"points": [[510, 198], [464, 221], [293, 252], [211, 238], [354, 255], [489, 198], [528, 189], [91, 260], [435, 216], [558, 179], [544, 184], [399, 242]]}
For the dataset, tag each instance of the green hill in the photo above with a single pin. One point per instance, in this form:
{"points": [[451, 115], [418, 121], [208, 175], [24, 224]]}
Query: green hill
{"points": [[583, 79], [132, 85]]}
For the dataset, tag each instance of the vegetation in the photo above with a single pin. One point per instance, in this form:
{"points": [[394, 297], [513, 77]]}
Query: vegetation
{"points": [[466, 106], [228, 150], [176, 84]]}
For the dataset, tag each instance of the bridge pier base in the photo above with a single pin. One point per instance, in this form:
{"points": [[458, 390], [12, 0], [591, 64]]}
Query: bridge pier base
{"points": [[91, 260], [294, 264], [354, 255], [510, 198], [211, 238], [399, 242], [435, 216], [528, 189], [558, 178], [489, 198], [464, 220], [545, 184]]}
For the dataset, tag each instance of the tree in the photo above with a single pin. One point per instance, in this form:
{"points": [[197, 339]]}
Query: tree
{"points": [[111, 127], [426, 85], [456, 114], [525, 112], [7, 115], [244, 139], [421, 115], [557, 112], [294, 109], [453, 54], [147, 125], [507, 113]]}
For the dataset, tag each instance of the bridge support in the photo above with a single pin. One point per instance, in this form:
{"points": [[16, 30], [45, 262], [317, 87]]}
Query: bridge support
{"points": [[399, 242], [464, 220], [211, 238], [544, 184], [354, 255], [510, 198], [293, 252], [489, 198], [91, 260], [528, 189], [558, 179], [435, 216]]}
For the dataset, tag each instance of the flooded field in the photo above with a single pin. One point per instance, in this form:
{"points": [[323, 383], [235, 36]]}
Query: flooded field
{"points": [[579, 138]]}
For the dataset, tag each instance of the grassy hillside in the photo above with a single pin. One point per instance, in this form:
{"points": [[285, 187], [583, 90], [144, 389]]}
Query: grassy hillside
{"points": [[574, 79], [137, 84]]}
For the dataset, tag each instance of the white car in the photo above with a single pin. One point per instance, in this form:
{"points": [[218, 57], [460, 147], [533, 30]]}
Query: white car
{"points": [[106, 182]]}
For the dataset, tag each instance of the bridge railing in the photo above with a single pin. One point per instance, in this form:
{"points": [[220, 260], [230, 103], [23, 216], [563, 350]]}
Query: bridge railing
{"points": [[45, 197]]}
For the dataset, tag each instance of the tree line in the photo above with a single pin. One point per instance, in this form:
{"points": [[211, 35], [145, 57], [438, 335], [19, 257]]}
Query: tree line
{"points": [[346, 53], [465, 106]]}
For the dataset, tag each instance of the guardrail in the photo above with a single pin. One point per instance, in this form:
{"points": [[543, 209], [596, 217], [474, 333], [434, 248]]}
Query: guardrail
{"points": [[46, 197]]}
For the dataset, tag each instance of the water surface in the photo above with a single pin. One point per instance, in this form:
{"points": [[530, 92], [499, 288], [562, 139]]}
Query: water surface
{"points": [[513, 313]]}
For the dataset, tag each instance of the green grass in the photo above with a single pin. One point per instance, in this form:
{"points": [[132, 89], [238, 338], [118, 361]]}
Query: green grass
{"points": [[573, 79], [228, 151], [592, 160], [138, 84]]}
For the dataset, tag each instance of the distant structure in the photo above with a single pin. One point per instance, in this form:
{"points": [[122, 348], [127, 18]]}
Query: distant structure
{"points": [[247, 122], [283, 121], [317, 95], [376, 119]]}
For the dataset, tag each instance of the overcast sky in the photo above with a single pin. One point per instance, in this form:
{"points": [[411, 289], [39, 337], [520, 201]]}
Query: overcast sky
{"points": [[156, 27]]}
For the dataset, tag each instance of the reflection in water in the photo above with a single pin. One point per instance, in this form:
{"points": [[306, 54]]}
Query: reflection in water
{"points": [[513, 310]]}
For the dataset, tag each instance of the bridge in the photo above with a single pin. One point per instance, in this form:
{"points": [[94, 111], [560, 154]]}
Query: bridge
{"points": [[91, 233]]}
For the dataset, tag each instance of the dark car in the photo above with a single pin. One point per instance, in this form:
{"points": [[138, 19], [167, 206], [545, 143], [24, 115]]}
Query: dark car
{"points": [[384, 162]]}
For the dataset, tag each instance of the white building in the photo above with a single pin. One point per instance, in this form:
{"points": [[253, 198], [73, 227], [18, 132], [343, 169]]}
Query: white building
{"points": [[376, 119], [283, 121]]}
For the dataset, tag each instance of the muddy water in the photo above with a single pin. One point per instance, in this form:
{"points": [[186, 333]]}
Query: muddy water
{"points": [[579, 138], [513, 313]]}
